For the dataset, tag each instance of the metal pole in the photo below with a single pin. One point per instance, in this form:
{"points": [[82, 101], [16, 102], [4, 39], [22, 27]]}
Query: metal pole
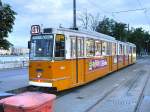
{"points": [[74, 14], [86, 20], [0, 4], [1, 8]]}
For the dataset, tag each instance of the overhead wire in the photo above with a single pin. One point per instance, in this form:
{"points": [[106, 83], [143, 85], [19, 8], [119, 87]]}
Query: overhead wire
{"points": [[145, 12], [131, 10], [123, 11], [103, 11]]}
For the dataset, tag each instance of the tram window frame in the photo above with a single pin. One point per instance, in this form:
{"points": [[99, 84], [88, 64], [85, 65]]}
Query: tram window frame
{"points": [[73, 47], [98, 47], [62, 49], [114, 50], [123, 50], [80, 47], [104, 48], [120, 49], [109, 48], [90, 49], [125, 53], [134, 50], [130, 51], [126, 50]]}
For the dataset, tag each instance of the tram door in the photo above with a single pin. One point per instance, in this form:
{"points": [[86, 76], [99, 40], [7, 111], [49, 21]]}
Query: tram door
{"points": [[77, 52]]}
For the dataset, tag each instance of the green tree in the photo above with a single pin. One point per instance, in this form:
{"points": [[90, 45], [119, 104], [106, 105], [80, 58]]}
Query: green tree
{"points": [[111, 27], [141, 38], [119, 31], [105, 26], [7, 18]]}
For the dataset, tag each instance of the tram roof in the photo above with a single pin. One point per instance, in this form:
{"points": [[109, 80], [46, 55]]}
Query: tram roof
{"points": [[90, 33]]}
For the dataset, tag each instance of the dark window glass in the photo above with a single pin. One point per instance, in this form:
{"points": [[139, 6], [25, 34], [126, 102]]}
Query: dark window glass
{"points": [[41, 47], [60, 46]]}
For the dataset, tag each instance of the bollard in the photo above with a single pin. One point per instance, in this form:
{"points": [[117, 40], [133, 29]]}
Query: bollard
{"points": [[29, 102], [4, 95]]}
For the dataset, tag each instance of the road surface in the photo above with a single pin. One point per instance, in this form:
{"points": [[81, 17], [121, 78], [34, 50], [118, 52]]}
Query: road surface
{"points": [[13, 78]]}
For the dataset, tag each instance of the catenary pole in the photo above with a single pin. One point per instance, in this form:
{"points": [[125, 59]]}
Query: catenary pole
{"points": [[74, 15]]}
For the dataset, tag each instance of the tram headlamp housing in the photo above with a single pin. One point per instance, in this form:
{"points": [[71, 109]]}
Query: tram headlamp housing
{"points": [[39, 73]]}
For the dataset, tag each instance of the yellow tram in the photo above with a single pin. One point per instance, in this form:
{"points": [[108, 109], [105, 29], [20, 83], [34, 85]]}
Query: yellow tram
{"points": [[65, 58]]}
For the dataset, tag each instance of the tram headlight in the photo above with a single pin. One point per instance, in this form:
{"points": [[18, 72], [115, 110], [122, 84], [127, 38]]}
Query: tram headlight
{"points": [[39, 74]]}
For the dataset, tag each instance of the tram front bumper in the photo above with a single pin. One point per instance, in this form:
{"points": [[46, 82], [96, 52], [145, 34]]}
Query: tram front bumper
{"points": [[40, 84]]}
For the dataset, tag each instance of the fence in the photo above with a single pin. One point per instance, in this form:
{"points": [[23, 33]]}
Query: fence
{"points": [[7, 62], [13, 64]]}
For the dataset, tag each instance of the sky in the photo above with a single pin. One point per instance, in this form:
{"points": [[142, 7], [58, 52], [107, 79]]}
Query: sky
{"points": [[52, 13]]}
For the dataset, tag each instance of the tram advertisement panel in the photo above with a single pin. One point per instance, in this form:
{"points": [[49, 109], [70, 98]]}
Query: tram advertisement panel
{"points": [[98, 63]]}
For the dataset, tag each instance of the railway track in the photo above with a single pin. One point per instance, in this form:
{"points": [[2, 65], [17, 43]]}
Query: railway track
{"points": [[134, 80], [141, 95]]}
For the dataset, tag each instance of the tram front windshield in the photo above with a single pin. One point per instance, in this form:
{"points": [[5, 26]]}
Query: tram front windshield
{"points": [[41, 47]]}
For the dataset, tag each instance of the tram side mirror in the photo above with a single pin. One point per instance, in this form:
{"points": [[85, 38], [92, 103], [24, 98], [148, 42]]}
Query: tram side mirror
{"points": [[29, 44]]}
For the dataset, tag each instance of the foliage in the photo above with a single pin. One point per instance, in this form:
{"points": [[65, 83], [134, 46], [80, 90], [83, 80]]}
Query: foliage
{"points": [[122, 32], [7, 18]]}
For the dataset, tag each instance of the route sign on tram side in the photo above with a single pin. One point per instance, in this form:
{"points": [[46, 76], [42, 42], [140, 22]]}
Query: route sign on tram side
{"points": [[35, 29]]}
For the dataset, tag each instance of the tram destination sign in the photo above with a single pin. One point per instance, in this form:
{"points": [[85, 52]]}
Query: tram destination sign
{"points": [[37, 37], [35, 29]]}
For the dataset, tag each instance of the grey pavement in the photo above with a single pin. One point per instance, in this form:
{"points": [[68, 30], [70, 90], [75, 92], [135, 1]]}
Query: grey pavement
{"points": [[11, 79]]}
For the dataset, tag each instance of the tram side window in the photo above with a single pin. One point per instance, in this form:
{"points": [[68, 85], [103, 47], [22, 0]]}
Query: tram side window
{"points": [[98, 48], [109, 48], [114, 49], [127, 50], [73, 47], [80, 47], [90, 51], [104, 48], [130, 50], [60, 46], [123, 50], [120, 49], [134, 50]]}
